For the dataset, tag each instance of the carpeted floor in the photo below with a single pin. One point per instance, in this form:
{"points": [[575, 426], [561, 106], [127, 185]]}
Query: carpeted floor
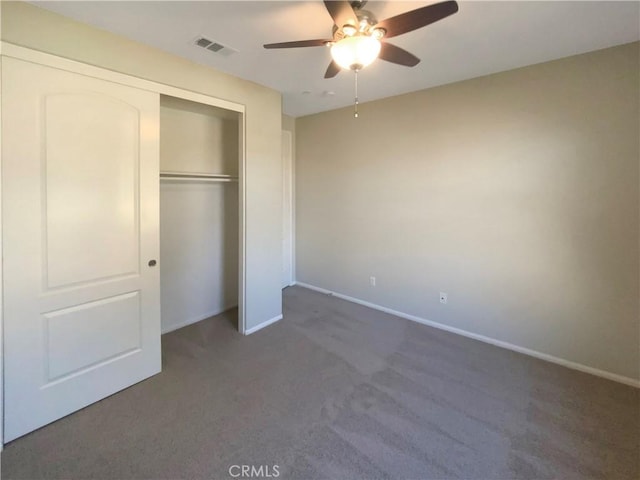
{"points": [[339, 391]]}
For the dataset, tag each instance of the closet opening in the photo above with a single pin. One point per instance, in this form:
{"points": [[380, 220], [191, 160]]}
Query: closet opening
{"points": [[201, 217]]}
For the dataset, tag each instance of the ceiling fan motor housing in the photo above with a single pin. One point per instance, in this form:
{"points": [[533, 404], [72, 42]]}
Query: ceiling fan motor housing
{"points": [[358, 4], [366, 22]]}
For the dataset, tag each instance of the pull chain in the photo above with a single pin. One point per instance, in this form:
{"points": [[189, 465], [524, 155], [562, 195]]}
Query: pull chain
{"points": [[355, 107]]}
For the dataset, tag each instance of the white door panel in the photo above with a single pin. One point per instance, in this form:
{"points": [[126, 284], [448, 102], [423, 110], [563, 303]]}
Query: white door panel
{"points": [[73, 344], [100, 184], [80, 213]]}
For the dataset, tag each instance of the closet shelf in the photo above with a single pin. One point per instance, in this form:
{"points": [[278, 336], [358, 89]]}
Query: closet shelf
{"points": [[197, 177]]}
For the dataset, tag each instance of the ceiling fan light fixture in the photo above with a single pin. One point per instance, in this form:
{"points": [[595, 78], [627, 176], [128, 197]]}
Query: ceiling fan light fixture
{"points": [[355, 53]]}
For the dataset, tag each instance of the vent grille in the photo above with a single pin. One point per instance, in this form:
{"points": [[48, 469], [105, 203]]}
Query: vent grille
{"points": [[213, 46], [203, 42]]}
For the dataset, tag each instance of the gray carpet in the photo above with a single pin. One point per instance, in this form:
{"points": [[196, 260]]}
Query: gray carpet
{"points": [[339, 391]]}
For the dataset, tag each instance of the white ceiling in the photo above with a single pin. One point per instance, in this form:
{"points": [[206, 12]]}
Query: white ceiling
{"points": [[482, 38]]}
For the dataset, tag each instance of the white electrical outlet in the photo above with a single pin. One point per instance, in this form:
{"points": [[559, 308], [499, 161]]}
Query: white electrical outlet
{"points": [[372, 281], [443, 298]]}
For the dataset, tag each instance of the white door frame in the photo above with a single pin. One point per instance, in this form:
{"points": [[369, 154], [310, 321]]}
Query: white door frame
{"points": [[288, 197], [242, 221], [1, 284], [23, 53]]}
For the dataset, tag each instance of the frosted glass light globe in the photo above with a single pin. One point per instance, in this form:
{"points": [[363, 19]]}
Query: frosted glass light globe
{"points": [[355, 53]]}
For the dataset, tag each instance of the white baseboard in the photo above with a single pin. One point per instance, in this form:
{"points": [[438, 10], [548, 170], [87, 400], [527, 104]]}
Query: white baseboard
{"points": [[498, 343], [262, 325], [197, 319]]}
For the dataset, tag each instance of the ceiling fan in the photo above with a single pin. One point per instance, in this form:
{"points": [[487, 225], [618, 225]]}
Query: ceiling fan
{"points": [[358, 38]]}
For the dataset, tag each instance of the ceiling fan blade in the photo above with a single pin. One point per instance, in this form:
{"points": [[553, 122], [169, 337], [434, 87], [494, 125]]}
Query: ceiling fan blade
{"points": [[332, 70], [300, 43], [398, 55], [406, 22], [341, 12]]}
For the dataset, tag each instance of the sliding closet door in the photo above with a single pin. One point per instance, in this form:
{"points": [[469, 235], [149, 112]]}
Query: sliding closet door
{"points": [[80, 235]]}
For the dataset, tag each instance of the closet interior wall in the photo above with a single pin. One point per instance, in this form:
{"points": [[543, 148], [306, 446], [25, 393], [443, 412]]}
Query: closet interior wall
{"points": [[199, 151]]}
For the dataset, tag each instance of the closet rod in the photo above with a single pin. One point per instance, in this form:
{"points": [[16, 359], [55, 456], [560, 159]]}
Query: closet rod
{"points": [[197, 177]]}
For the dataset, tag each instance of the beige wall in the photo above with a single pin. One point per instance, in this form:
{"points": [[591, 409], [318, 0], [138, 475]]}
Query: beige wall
{"points": [[32, 27], [198, 138], [516, 194]]}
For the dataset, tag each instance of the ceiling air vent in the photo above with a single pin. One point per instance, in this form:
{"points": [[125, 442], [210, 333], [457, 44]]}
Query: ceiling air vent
{"points": [[213, 46]]}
